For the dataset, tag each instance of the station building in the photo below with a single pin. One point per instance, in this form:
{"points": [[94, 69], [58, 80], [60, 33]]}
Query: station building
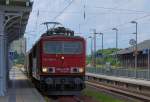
{"points": [[127, 55]]}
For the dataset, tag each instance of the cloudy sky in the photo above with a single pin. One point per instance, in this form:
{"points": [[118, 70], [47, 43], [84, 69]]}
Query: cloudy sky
{"points": [[84, 15]]}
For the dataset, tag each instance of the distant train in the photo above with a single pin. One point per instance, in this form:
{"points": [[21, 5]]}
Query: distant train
{"points": [[56, 62]]}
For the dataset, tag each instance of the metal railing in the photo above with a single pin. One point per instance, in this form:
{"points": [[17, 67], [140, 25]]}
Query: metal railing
{"points": [[128, 73]]}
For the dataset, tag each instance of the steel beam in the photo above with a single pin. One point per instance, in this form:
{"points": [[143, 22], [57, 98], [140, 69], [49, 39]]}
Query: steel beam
{"points": [[15, 8]]}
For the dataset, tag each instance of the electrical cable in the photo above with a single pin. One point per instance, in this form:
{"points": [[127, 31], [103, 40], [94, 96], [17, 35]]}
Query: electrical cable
{"points": [[62, 11], [118, 9], [120, 25]]}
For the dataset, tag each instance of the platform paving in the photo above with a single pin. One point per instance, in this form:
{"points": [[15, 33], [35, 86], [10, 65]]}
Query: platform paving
{"points": [[21, 89]]}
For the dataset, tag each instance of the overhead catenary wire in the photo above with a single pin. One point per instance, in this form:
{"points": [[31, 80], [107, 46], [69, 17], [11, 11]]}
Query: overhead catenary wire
{"points": [[99, 7], [63, 10], [123, 24], [60, 13], [116, 9], [89, 13], [129, 11], [119, 9]]}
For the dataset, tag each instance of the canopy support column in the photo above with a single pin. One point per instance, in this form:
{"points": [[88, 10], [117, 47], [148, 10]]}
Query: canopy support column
{"points": [[3, 65]]}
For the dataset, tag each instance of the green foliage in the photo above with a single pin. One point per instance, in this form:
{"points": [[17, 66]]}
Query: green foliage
{"points": [[107, 57], [19, 58], [108, 51], [88, 59]]}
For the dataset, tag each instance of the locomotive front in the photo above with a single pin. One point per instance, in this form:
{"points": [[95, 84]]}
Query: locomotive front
{"points": [[62, 64]]}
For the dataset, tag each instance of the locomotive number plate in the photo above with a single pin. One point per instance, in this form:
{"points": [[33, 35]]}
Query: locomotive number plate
{"points": [[62, 70]]}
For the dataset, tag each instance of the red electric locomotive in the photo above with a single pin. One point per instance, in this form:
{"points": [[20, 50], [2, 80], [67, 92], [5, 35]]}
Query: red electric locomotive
{"points": [[57, 62]]}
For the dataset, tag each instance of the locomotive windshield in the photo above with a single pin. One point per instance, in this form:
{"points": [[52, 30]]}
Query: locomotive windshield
{"points": [[62, 47]]}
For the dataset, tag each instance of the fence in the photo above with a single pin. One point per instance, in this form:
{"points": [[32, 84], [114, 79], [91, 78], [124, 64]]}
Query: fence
{"points": [[129, 73]]}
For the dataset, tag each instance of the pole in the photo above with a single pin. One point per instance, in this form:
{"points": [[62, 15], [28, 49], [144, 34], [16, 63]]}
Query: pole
{"points": [[3, 80], [116, 44], [136, 53], [148, 65], [91, 50], [136, 49], [79, 28], [102, 50], [102, 47], [102, 44], [94, 47], [25, 45]]}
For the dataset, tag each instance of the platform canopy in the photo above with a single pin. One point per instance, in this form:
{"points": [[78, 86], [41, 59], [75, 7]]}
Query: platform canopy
{"points": [[16, 14]]}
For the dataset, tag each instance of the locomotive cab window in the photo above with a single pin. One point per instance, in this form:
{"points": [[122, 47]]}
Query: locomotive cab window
{"points": [[62, 47]]}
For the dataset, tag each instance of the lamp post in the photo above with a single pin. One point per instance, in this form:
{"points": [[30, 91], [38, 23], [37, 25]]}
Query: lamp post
{"points": [[91, 49], [116, 30], [136, 54], [94, 32], [102, 41]]}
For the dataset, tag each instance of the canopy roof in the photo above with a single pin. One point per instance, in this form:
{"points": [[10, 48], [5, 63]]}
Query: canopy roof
{"points": [[16, 14], [141, 46]]}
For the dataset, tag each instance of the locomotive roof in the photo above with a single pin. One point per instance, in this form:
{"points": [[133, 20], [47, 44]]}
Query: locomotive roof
{"points": [[56, 36], [60, 36], [58, 32]]}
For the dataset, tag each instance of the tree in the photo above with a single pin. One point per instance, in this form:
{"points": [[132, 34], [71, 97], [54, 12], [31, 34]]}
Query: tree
{"points": [[105, 56]]}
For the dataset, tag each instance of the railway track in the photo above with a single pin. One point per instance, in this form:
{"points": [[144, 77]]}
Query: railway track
{"points": [[64, 99], [126, 93]]}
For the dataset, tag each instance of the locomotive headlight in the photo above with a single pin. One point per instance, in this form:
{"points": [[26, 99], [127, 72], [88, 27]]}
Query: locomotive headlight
{"points": [[77, 70], [81, 70], [62, 57], [44, 70]]}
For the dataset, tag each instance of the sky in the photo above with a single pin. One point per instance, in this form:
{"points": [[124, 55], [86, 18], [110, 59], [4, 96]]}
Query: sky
{"points": [[84, 15]]}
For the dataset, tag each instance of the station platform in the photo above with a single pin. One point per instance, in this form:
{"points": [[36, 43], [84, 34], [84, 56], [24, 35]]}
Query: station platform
{"points": [[21, 89], [140, 82]]}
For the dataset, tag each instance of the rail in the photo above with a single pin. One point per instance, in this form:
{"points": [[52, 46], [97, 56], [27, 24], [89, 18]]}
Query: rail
{"points": [[128, 93]]}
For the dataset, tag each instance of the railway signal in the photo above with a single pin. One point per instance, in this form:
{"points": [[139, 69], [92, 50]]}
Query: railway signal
{"points": [[132, 42]]}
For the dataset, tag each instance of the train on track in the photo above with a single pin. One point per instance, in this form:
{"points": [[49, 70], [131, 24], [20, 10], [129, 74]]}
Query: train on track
{"points": [[56, 62]]}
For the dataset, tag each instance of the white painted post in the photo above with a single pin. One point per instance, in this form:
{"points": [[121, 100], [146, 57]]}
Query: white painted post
{"points": [[2, 57]]}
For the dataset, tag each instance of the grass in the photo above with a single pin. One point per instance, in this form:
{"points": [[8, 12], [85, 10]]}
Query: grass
{"points": [[100, 97]]}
